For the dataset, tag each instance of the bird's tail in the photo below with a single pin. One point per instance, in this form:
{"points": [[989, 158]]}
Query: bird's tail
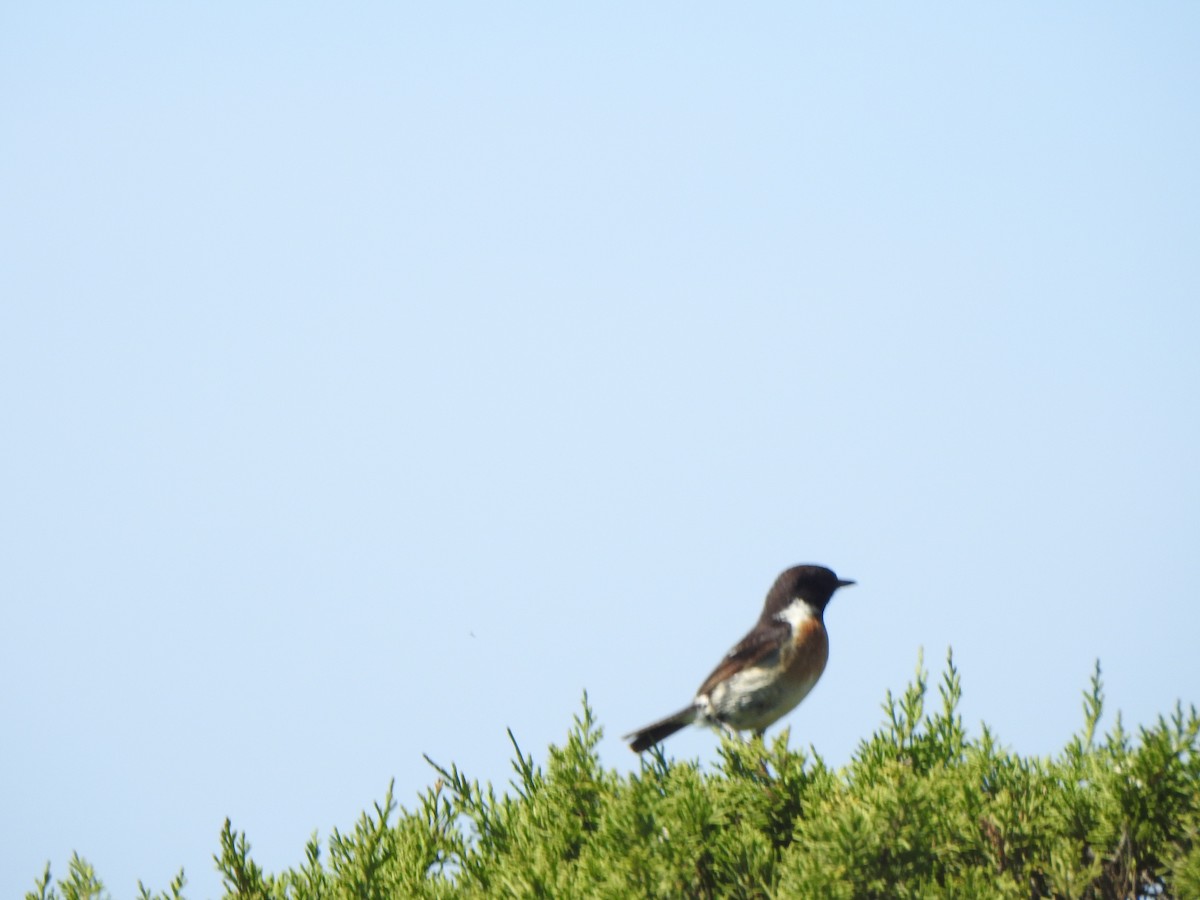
{"points": [[660, 730]]}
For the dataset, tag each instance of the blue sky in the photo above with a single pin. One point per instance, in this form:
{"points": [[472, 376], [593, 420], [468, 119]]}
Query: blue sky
{"points": [[378, 378]]}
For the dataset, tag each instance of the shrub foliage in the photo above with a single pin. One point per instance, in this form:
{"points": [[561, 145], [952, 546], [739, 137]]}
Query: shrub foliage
{"points": [[923, 810]]}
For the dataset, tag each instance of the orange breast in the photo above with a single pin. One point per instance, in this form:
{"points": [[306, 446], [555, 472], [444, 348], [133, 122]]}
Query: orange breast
{"points": [[805, 657]]}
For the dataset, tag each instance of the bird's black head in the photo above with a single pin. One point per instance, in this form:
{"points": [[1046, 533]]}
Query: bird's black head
{"points": [[812, 584]]}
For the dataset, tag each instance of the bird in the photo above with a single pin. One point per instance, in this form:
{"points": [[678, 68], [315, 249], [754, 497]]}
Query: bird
{"points": [[770, 670]]}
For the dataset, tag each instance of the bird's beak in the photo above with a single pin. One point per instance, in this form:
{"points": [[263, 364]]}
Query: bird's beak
{"points": [[845, 582]]}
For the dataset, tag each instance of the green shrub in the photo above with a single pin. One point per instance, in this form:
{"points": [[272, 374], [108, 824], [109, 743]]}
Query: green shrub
{"points": [[922, 810]]}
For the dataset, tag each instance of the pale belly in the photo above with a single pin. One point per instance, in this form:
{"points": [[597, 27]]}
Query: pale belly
{"points": [[751, 700]]}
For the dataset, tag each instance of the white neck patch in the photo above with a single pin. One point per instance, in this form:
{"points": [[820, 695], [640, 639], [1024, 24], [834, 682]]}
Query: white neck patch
{"points": [[795, 614]]}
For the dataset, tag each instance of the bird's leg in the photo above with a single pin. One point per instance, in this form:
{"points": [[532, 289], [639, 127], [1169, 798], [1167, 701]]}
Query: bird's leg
{"points": [[730, 731]]}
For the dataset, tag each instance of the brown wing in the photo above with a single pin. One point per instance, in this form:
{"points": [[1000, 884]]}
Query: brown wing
{"points": [[764, 641]]}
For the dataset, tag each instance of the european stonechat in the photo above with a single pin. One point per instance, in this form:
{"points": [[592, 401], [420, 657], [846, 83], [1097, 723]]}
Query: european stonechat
{"points": [[770, 670]]}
